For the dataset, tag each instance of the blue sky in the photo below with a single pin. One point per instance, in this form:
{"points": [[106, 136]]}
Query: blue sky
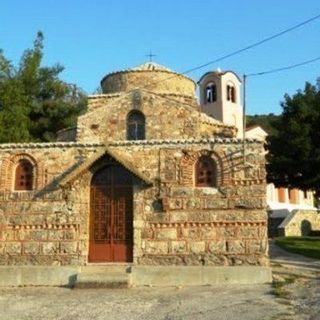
{"points": [[92, 38]]}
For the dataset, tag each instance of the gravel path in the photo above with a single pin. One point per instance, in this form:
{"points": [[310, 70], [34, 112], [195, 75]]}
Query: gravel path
{"points": [[218, 303], [305, 298], [292, 260], [303, 294]]}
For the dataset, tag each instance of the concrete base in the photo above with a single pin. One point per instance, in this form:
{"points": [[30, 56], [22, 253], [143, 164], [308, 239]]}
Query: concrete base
{"points": [[123, 276], [197, 276], [13, 276]]}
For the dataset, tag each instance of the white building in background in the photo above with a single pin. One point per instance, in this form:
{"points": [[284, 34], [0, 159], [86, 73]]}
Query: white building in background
{"points": [[282, 201], [256, 132]]}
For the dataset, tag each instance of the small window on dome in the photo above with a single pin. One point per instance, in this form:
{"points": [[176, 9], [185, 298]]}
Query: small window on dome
{"points": [[205, 172], [210, 93]]}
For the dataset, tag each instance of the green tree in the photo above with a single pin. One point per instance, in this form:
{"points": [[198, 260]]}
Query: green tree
{"points": [[294, 152], [265, 121], [34, 102]]}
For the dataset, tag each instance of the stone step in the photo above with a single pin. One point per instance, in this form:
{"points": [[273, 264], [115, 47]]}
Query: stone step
{"points": [[105, 268], [101, 276]]}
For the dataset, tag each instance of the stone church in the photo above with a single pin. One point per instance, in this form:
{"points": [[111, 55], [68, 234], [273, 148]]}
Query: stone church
{"points": [[150, 179]]}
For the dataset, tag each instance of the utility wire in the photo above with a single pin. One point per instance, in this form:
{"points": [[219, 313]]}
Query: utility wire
{"points": [[253, 45], [262, 74], [282, 68], [235, 53], [258, 43], [245, 76]]}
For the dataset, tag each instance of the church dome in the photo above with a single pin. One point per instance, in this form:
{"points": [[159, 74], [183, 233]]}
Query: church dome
{"points": [[150, 76]]}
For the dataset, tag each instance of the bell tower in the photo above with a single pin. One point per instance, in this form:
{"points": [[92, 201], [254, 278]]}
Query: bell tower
{"points": [[220, 98]]}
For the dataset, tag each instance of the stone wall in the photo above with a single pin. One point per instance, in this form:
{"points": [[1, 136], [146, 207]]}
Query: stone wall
{"points": [[300, 223], [42, 226], [38, 230], [165, 119], [174, 222], [51, 162], [159, 81], [203, 226]]}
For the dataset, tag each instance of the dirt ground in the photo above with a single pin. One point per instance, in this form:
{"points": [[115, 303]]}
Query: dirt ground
{"points": [[227, 303], [298, 298], [299, 290], [294, 295]]}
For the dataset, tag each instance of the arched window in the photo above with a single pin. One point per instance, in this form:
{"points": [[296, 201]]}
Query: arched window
{"points": [[231, 93], [24, 175], [136, 126], [205, 172], [210, 93]]}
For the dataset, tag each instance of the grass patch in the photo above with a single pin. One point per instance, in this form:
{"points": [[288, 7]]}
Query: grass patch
{"points": [[279, 289], [306, 246]]}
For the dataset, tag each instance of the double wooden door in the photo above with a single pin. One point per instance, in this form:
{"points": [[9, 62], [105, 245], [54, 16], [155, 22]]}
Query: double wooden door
{"points": [[111, 216]]}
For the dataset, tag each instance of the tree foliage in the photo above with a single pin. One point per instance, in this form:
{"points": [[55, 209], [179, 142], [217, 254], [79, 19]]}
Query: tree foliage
{"points": [[34, 102], [266, 121], [294, 152]]}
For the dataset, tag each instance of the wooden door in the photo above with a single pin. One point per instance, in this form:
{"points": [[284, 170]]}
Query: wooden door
{"points": [[111, 225]]}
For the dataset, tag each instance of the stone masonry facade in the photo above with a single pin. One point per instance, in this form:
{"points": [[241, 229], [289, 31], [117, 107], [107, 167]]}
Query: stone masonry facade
{"points": [[175, 222]]}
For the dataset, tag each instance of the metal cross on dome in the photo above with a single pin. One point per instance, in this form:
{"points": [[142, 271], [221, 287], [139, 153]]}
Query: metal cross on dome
{"points": [[150, 56]]}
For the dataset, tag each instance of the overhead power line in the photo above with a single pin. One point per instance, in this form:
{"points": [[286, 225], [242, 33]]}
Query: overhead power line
{"points": [[237, 52], [249, 75], [253, 45], [261, 74], [282, 68], [258, 43]]}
